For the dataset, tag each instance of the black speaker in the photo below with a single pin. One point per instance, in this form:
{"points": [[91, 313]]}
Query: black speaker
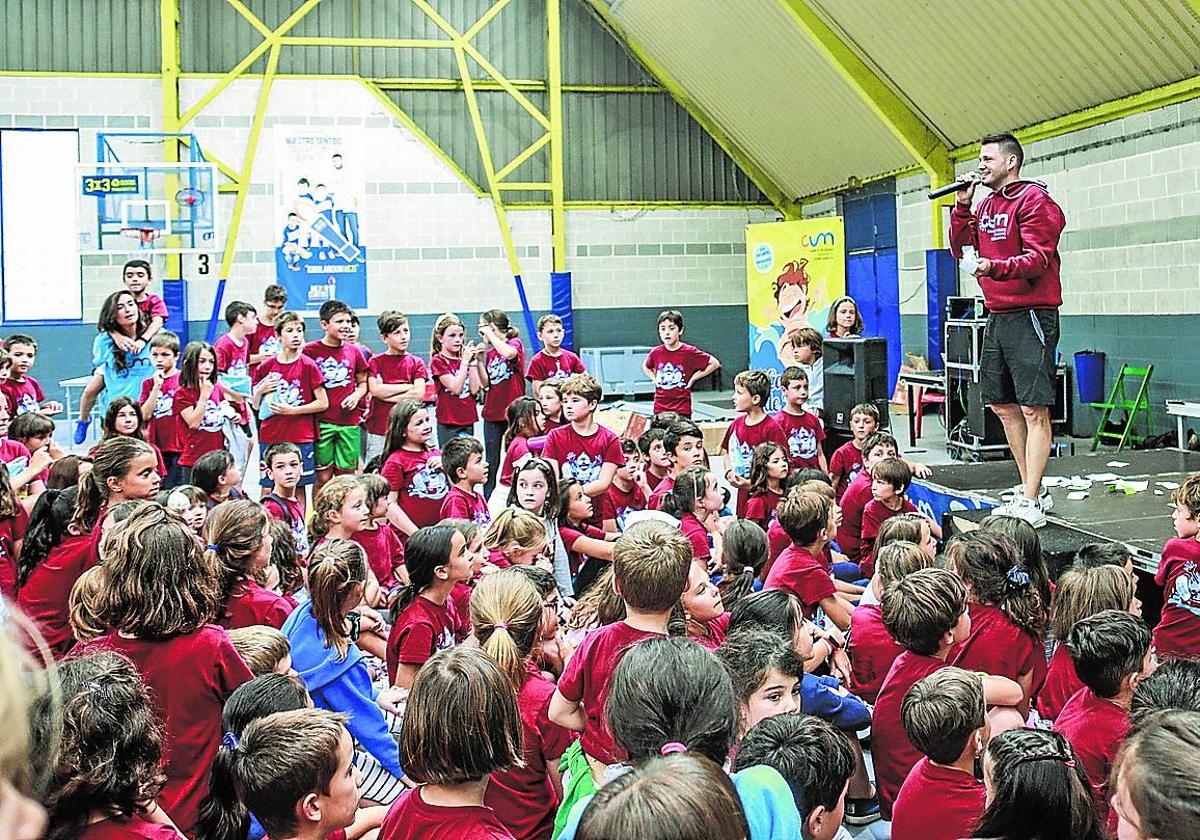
{"points": [[856, 371]]}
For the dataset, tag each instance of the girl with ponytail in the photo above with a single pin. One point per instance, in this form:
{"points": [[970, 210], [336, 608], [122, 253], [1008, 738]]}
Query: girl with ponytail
{"points": [[744, 549], [1008, 615], [322, 632], [506, 614], [696, 501], [239, 540], [294, 770], [63, 539]]}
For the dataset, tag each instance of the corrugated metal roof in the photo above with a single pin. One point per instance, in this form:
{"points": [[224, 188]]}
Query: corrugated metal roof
{"points": [[80, 36], [949, 58], [763, 82]]}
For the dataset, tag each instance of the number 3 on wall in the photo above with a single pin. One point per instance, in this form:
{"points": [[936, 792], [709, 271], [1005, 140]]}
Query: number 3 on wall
{"points": [[203, 267]]}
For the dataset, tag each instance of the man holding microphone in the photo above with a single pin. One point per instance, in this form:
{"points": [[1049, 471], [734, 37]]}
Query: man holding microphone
{"points": [[1015, 232]]}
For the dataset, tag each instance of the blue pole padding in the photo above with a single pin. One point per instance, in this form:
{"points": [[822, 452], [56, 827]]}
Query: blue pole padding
{"points": [[175, 297], [530, 326], [562, 305], [215, 317], [941, 282]]}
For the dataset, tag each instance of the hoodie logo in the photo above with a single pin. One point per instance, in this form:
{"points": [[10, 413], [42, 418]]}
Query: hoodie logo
{"points": [[996, 227]]}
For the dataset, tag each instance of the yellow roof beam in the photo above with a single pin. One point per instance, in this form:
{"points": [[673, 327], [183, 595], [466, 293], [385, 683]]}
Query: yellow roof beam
{"points": [[921, 141], [765, 183]]}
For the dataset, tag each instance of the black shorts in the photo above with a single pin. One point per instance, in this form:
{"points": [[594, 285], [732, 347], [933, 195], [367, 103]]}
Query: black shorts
{"points": [[1020, 352]]}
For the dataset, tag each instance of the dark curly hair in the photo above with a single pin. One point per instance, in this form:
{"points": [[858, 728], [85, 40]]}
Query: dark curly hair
{"points": [[111, 751]]}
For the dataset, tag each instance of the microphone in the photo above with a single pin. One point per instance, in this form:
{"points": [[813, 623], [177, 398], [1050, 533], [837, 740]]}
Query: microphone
{"points": [[957, 184]]}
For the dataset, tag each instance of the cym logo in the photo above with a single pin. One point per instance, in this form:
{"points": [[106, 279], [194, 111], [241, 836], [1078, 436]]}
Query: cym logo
{"points": [[817, 240]]}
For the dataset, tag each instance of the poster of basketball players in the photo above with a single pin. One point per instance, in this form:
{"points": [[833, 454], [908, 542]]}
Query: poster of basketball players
{"points": [[319, 189]]}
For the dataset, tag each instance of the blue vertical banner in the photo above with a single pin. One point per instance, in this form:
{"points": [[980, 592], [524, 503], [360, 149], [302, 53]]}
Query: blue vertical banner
{"points": [[562, 305], [320, 187]]}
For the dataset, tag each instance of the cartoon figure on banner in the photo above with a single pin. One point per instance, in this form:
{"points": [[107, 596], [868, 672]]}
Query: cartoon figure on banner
{"points": [[794, 304]]}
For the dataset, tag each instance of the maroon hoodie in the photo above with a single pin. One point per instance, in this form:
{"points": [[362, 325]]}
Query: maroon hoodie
{"points": [[1017, 228]]}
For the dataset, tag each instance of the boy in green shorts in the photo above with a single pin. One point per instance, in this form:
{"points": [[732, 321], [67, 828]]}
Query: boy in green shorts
{"points": [[344, 372]]}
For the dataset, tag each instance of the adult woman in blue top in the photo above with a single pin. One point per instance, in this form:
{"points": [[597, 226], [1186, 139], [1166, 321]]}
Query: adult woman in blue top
{"points": [[123, 371]]}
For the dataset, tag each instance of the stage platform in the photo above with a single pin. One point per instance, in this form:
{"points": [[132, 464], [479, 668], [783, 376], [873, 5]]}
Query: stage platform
{"points": [[1142, 520]]}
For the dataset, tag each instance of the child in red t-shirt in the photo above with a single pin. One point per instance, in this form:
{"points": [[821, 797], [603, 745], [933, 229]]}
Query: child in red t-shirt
{"points": [[507, 616], [413, 469], [1111, 652], [945, 719], [1177, 634], [674, 367], [803, 429], [339, 512], [522, 437], [584, 450], [889, 482], [289, 394], [696, 501], [808, 520], [461, 730], [284, 466], [264, 341], [239, 537], [123, 418], [344, 371], [656, 462], [589, 549], [157, 397], [437, 559], [552, 362], [189, 665], [751, 390], [23, 391], [283, 762], [380, 542], [650, 569], [504, 381], [456, 366], [14, 522], [768, 471], [1008, 617], [627, 493], [926, 613], [847, 459], [550, 398], [394, 375], [871, 648], [877, 447], [466, 469], [683, 443], [199, 405], [233, 356]]}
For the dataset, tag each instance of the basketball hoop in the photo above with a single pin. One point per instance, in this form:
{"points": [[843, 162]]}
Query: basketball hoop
{"points": [[144, 235]]}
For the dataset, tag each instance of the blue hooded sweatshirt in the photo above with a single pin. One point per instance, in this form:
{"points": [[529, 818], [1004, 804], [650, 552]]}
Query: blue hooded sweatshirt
{"points": [[340, 686]]}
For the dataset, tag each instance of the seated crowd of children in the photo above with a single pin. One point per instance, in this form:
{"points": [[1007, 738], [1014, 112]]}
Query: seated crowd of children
{"points": [[608, 645]]}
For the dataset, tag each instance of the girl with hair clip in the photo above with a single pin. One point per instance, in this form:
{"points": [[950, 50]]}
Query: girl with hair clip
{"points": [[534, 489], [106, 774], [322, 632], [844, 321], [506, 614], [200, 406], [516, 537], [385, 552], [672, 795], [159, 594], [123, 418], [524, 425], [1081, 592], [696, 501], [63, 539], [217, 474], [462, 727], [1157, 779], [769, 468], [706, 617], [503, 377], [294, 771], [1008, 616], [1036, 789], [589, 550], [239, 539], [744, 550], [413, 469], [1028, 546], [456, 366], [422, 620]]}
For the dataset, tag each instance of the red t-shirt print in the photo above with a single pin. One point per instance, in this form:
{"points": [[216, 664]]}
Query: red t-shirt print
{"points": [[804, 434], [1177, 635], [340, 368], [582, 458], [452, 409], [298, 382], [506, 381], [392, 369], [546, 368], [672, 370], [419, 487], [163, 428]]}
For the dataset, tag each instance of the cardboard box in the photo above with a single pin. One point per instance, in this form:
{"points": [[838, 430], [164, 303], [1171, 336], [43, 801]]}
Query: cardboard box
{"points": [[624, 422], [714, 433]]}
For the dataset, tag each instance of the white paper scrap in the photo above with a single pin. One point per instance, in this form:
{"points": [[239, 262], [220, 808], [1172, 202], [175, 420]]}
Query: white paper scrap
{"points": [[1103, 476], [1167, 485], [1117, 464], [1078, 495]]}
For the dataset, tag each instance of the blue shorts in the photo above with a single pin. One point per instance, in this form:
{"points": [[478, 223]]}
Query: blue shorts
{"points": [[307, 469]]}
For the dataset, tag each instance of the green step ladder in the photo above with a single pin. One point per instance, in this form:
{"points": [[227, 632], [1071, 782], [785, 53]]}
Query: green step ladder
{"points": [[1118, 401]]}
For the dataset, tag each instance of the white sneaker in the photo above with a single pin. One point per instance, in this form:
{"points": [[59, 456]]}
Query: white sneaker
{"points": [[1045, 500], [1027, 509]]}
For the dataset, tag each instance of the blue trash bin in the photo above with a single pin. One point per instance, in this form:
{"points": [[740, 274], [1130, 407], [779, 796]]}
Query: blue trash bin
{"points": [[1089, 373]]}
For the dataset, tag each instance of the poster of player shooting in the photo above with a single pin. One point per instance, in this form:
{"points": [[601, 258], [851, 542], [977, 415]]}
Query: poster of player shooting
{"points": [[794, 272], [319, 187]]}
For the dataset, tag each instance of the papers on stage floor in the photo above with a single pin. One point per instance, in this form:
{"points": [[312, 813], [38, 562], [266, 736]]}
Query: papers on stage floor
{"points": [[1127, 487], [1117, 464], [1074, 483], [1078, 495], [1167, 485], [1103, 476]]}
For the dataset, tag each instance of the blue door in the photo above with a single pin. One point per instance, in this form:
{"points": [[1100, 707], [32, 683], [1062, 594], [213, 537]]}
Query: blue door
{"points": [[872, 265]]}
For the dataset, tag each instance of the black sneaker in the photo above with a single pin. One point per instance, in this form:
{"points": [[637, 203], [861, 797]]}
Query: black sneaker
{"points": [[861, 811]]}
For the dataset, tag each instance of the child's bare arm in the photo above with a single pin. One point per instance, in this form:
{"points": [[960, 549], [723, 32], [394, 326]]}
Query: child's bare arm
{"points": [[713, 364], [567, 713], [1001, 691]]}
